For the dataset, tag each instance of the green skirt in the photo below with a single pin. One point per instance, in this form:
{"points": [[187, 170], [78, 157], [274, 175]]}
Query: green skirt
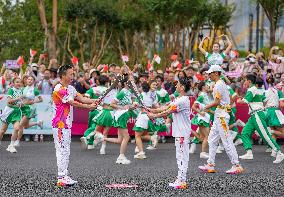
{"points": [[152, 128], [14, 116], [122, 120], [197, 122], [26, 111], [92, 114], [272, 119], [104, 118]]}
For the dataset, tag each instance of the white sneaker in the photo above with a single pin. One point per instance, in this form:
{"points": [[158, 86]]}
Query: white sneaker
{"points": [[268, 150], [90, 147], [99, 138], [122, 160], [154, 139], [150, 148], [40, 124], [17, 143], [240, 123], [11, 149], [247, 156], [236, 169], [219, 149], [179, 184], [204, 155], [279, 157], [84, 142], [136, 149], [168, 130], [140, 155], [102, 151], [273, 153], [238, 142], [65, 181], [207, 168], [192, 148]]}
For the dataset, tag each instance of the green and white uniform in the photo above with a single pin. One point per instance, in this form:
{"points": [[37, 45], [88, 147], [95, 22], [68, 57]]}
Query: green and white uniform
{"points": [[121, 116], [143, 123], [215, 58], [29, 93], [105, 116], [91, 124], [12, 113], [275, 117], [202, 100], [257, 121]]}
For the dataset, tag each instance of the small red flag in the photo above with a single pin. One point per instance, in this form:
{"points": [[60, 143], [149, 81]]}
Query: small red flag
{"points": [[75, 60], [20, 60], [33, 53]]}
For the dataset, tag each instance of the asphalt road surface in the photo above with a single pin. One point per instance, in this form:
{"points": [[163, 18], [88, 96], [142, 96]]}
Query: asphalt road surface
{"points": [[32, 172]]}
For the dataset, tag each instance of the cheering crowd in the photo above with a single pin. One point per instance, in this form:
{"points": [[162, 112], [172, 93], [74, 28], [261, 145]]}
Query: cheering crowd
{"points": [[159, 101]]}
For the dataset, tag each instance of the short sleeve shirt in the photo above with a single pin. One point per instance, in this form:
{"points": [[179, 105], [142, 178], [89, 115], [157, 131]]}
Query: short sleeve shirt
{"points": [[215, 58]]}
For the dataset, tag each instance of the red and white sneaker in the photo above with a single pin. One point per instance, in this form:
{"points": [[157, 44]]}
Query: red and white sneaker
{"points": [[179, 184], [65, 181], [235, 169], [207, 168]]}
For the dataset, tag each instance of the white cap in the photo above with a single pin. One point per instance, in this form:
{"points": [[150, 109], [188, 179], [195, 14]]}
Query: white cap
{"points": [[214, 68]]}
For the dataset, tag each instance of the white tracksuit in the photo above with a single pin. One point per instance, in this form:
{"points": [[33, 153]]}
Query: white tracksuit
{"points": [[181, 126], [220, 128]]}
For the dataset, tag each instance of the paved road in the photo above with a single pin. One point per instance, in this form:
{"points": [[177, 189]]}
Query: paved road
{"points": [[32, 172]]}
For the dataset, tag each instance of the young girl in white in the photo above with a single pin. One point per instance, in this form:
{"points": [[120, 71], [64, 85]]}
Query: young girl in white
{"points": [[104, 119], [123, 106], [144, 125], [12, 113], [31, 96], [181, 125], [202, 119]]}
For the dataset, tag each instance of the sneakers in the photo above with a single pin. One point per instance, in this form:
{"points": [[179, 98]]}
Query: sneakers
{"points": [[11, 149], [149, 148], [179, 184], [102, 151], [236, 169], [204, 155], [99, 138], [207, 168], [122, 160], [17, 143], [90, 147], [192, 148], [154, 139], [40, 124], [247, 156], [279, 157], [268, 150], [140, 155], [273, 153], [84, 142], [219, 149], [136, 149], [168, 130], [238, 142], [240, 123], [65, 181]]}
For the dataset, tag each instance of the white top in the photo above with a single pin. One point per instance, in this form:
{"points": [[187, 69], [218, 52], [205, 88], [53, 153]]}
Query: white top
{"points": [[149, 98], [272, 97], [100, 90], [181, 125], [221, 92]]}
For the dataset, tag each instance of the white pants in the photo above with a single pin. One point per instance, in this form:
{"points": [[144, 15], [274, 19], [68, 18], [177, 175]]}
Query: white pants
{"points": [[62, 142], [182, 155], [220, 130]]}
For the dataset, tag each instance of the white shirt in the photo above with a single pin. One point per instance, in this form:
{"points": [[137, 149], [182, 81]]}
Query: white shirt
{"points": [[221, 92], [181, 126], [272, 98], [149, 98]]}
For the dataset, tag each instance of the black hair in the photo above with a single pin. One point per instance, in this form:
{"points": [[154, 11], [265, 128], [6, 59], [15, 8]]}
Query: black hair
{"points": [[270, 80], [145, 86], [124, 79], [111, 65], [203, 70], [103, 80], [201, 85], [185, 82], [63, 69], [259, 82], [160, 77], [251, 77]]}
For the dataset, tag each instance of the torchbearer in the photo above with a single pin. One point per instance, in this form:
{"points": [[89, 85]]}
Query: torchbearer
{"points": [[220, 128]]}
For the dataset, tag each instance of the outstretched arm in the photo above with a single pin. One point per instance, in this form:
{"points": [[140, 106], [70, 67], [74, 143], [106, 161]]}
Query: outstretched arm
{"points": [[201, 46], [229, 47]]}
